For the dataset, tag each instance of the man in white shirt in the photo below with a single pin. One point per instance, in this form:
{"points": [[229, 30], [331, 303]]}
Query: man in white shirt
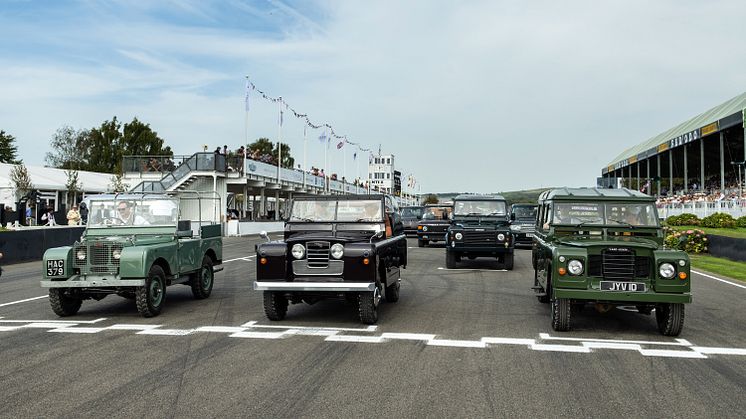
{"points": [[125, 210]]}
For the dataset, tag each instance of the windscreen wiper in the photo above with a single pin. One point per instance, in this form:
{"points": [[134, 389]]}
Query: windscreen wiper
{"points": [[622, 222]]}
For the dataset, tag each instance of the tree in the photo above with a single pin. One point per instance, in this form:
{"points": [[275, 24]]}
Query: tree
{"points": [[68, 148], [8, 149], [263, 147], [430, 199], [73, 186], [117, 184], [21, 180]]}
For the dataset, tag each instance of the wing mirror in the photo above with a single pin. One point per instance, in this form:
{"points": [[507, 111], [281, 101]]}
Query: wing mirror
{"points": [[264, 235], [377, 235], [512, 216]]}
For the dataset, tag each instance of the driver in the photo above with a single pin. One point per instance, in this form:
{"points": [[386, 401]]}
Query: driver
{"points": [[372, 211], [125, 212], [632, 216]]}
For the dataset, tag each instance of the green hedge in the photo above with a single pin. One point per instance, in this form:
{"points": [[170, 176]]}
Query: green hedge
{"points": [[718, 220], [690, 241], [683, 220]]}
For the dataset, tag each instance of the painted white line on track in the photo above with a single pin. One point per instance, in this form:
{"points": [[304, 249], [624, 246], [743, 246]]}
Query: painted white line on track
{"points": [[82, 330], [133, 327], [245, 258], [560, 348], [408, 336], [678, 342], [457, 343], [55, 321], [609, 345], [48, 325], [472, 270], [253, 325], [9, 328], [258, 335], [667, 353], [167, 332], [355, 339], [719, 351], [508, 341], [221, 329], [23, 301], [718, 279]]}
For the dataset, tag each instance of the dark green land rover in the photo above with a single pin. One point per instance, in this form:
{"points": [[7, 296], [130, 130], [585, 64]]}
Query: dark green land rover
{"points": [[605, 246], [480, 227]]}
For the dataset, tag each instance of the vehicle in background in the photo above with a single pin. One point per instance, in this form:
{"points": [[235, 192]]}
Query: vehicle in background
{"points": [[134, 246], [605, 246], [434, 224], [522, 222], [410, 218], [348, 246], [479, 228]]}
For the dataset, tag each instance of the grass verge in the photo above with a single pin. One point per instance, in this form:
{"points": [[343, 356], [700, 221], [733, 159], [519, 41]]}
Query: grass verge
{"points": [[719, 266]]}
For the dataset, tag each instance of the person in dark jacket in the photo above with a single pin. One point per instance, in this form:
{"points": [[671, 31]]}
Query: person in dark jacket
{"points": [[83, 213]]}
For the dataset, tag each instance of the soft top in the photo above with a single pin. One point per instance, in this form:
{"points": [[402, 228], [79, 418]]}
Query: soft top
{"points": [[593, 194], [475, 197]]}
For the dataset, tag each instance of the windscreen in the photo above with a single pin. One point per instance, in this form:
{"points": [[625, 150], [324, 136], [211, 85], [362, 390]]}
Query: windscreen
{"points": [[412, 212], [632, 214], [326, 210], [436, 213], [126, 213], [480, 208], [528, 211]]}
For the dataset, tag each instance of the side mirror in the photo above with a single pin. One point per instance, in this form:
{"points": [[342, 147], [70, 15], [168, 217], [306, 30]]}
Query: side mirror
{"points": [[264, 235], [378, 235], [512, 216]]}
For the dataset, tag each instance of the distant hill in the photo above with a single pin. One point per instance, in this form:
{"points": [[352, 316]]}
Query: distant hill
{"points": [[513, 197]]}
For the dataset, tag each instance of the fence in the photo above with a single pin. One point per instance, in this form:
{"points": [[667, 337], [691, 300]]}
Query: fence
{"points": [[736, 208]]}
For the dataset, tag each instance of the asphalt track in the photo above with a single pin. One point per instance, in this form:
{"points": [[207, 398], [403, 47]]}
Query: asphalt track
{"points": [[472, 342]]}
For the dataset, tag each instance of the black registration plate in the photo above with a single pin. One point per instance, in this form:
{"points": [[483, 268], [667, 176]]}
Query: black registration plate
{"points": [[622, 286], [56, 267]]}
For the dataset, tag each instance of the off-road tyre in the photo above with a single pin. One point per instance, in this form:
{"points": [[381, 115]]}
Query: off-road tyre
{"points": [[392, 292], [670, 318], [544, 299], [275, 306], [150, 298], [203, 280], [561, 309], [451, 260], [368, 306], [63, 305], [421, 243], [508, 261]]}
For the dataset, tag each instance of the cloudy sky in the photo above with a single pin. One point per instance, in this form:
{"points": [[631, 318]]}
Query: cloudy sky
{"points": [[470, 96]]}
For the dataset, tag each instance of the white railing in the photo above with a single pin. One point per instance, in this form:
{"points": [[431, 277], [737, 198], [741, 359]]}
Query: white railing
{"points": [[736, 208]]}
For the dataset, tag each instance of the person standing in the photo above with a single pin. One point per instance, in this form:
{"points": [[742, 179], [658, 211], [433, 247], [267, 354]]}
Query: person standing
{"points": [[73, 216], [48, 217], [83, 213]]}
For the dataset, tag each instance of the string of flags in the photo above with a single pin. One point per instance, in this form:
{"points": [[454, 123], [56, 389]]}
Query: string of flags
{"points": [[324, 137]]}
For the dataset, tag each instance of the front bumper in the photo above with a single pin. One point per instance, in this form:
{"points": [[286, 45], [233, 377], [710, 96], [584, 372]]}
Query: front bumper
{"points": [[78, 281], [629, 297], [433, 236], [314, 286]]}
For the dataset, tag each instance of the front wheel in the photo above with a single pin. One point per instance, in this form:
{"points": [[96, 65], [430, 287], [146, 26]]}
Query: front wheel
{"points": [[203, 280], [63, 305], [368, 306], [670, 318], [149, 299], [275, 305], [451, 260], [561, 308]]}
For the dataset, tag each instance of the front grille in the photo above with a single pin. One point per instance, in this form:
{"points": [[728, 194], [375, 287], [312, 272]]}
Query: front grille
{"points": [[528, 228], [480, 237], [596, 266], [98, 258], [317, 254], [619, 266], [642, 267]]}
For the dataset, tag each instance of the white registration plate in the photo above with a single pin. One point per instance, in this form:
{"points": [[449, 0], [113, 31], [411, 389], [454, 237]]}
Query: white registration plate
{"points": [[622, 286], [530, 235], [55, 267]]}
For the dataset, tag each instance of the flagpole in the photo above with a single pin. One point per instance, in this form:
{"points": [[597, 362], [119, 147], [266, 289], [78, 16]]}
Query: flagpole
{"points": [[305, 140], [357, 174], [246, 133], [344, 162], [279, 141], [326, 165]]}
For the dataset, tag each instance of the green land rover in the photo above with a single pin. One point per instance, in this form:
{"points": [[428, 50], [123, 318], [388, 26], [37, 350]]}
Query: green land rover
{"points": [[135, 246], [605, 246]]}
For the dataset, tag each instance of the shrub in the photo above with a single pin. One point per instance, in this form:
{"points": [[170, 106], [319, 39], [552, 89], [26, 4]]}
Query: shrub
{"points": [[741, 221], [683, 220], [690, 241], [719, 220]]}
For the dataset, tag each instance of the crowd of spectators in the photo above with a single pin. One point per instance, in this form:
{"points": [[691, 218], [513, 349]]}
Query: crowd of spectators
{"points": [[697, 192]]}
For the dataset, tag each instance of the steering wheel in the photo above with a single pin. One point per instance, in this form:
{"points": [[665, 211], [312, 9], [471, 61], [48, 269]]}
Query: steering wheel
{"points": [[113, 221]]}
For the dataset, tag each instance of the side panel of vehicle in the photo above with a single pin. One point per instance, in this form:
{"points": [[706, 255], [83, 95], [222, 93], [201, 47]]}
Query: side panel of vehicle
{"points": [[275, 266], [136, 261], [190, 255], [213, 247], [64, 254]]}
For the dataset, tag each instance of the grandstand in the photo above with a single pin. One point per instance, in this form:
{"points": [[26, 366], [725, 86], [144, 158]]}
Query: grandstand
{"points": [[704, 155]]}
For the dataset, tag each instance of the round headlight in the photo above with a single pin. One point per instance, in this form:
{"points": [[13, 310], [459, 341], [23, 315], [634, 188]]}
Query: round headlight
{"points": [[501, 236], [682, 262], [81, 254], [298, 251], [116, 254], [575, 267], [562, 259], [459, 236], [667, 270], [338, 251], [424, 228]]}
